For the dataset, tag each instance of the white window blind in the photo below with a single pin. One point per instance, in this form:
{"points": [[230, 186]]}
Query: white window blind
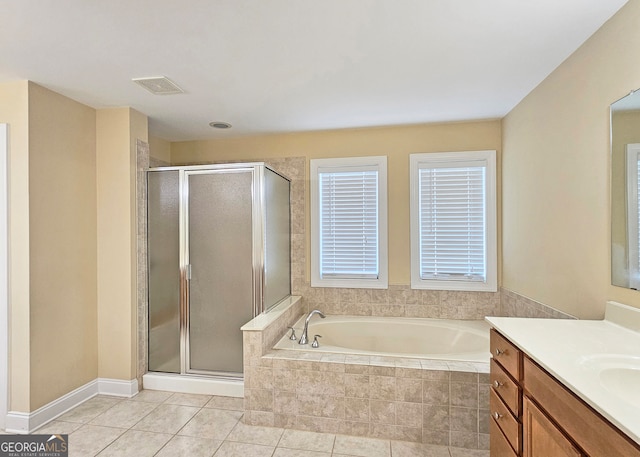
{"points": [[348, 209], [452, 223]]}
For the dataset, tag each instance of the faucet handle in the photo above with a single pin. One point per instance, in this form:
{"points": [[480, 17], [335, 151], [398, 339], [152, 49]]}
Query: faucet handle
{"points": [[315, 343], [293, 334]]}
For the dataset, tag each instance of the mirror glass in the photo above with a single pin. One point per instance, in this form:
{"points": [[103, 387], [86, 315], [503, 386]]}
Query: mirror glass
{"points": [[625, 188]]}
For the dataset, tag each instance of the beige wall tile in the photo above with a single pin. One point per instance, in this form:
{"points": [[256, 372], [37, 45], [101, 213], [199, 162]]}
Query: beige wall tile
{"points": [[409, 414], [464, 394], [409, 390], [383, 412], [435, 392], [435, 417], [356, 385], [464, 419], [382, 387], [356, 409]]}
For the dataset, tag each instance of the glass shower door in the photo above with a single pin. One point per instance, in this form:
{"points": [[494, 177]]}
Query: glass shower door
{"points": [[220, 258], [163, 243]]}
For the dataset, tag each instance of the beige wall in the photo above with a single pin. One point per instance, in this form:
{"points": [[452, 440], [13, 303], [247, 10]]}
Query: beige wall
{"points": [[555, 209], [117, 130], [53, 344], [14, 110], [159, 149], [62, 241], [394, 142]]}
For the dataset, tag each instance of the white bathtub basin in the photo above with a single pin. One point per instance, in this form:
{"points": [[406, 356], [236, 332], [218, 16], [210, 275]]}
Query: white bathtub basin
{"points": [[443, 339]]}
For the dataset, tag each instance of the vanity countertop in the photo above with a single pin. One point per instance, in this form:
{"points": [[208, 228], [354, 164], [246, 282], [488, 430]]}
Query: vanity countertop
{"points": [[598, 360]]}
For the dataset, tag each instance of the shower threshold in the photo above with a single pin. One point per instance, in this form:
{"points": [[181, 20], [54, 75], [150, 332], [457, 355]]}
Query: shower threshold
{"points": [[194, 384]]}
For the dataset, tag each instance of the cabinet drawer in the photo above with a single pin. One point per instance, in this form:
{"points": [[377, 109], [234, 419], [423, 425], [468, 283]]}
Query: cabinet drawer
{"points": [[593, 433], [508, 424], [506, 388], [506, 354], [498, 443]]}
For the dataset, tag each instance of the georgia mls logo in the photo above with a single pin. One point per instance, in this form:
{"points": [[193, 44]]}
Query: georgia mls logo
{"points": [[34, 446]]}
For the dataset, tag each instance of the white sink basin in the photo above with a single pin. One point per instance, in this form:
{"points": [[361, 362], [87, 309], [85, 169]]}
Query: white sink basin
{"points": [[618, 374], [622, 382]]}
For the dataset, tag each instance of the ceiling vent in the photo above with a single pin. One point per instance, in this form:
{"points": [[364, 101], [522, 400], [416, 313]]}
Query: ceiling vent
{"points": [[159, 85]]}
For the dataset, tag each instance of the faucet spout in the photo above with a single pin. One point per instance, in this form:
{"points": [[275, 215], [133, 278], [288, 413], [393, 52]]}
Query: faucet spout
{"points": [[304, 339]]}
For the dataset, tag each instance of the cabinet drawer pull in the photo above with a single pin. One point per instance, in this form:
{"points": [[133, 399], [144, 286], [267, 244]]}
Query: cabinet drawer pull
{"points": [[496, 415], [499, 352], [497, 384]]}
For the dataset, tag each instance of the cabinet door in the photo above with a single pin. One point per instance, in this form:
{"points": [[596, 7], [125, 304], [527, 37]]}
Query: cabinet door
{"points": [[541, 437]]}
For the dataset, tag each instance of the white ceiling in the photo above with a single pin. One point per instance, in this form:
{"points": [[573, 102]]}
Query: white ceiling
{"points": [[270, 66]]}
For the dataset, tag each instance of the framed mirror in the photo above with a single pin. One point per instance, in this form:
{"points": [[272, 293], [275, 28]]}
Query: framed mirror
{"points": [[625, 191]]}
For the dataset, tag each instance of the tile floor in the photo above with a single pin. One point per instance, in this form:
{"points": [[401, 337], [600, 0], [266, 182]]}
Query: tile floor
{"points": [[155, 423]]}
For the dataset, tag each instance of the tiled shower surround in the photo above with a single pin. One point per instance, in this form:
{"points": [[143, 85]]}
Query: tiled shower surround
{"points": [[415, 400]]}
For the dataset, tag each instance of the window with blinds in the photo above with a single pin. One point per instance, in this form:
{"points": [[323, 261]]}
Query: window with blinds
{"points": [[349, 222], [453, 221]]}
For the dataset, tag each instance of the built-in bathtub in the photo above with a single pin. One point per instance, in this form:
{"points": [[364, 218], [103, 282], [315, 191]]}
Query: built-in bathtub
{"points": [[430, 396], [435, 339]]}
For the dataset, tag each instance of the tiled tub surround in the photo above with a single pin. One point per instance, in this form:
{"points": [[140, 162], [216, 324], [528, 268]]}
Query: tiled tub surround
{"points": [[419, 400], [402, 301]]}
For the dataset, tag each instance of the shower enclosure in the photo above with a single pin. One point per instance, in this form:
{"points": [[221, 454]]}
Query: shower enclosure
{"points": [[219, 254]]}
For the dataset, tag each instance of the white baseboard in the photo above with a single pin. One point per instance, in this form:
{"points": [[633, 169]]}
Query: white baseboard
{"points": [[193, 384], [117, 387], [23, 423]]}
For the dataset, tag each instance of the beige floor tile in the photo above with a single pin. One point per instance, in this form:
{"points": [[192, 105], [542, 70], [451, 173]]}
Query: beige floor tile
{"points": [[232, 449], [211, 423], [152, 396], [58, 427], [283, 452], [266, 436], [232, 403], [166, 419], [189, 446], [309, 441], [135, 443], [406, 449], [461, 452], [188, 400], [364, 447], [125, 414], [88, 440], [90, 409]]}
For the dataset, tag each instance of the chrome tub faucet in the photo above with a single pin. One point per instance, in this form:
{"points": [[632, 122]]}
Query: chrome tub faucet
{"points": [[304, 339]]}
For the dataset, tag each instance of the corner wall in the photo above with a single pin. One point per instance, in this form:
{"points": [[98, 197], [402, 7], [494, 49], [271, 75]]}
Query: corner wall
{"points": [[117, 131], [555, 207], [62, 245]]}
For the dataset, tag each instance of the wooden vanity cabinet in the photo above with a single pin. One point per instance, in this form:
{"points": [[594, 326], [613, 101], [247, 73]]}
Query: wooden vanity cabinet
{"points": [[534, 415]]}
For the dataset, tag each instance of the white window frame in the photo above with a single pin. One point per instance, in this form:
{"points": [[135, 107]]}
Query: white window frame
{"points": [[338, 164], [487, 158]]}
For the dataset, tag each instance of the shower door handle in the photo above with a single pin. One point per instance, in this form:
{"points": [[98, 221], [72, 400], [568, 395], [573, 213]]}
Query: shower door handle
{"points": [[187, 272]]}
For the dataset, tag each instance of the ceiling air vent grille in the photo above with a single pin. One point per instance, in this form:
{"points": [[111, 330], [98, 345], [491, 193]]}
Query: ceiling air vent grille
{"points": [[159, 85]]}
